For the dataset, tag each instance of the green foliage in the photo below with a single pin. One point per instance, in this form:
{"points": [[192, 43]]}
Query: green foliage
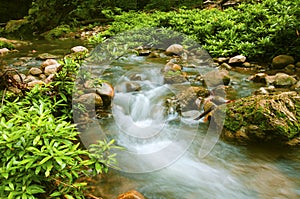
{"points": [[6, 45], [40, 151], [264, 29], [58, 32]]}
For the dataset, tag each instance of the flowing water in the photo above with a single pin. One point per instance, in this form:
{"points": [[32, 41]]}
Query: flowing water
{"points": [[176, 171], [162, 159]]}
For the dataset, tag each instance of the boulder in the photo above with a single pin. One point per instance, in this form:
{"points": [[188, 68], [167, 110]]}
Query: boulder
{"points": [[49, 62], [107, 92], [217, 77], [237, 59], [174, 49], [170, 66], [35, 71], [263, 118], [30, 78], [132, 194], [35, 82], [77, 49], [281, 80], [281, 61], [259, 78], [52, 69], [19, 78], [3, 51], [90, 100]]}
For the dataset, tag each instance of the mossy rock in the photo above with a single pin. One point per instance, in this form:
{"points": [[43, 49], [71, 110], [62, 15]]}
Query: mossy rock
{"points": [[263, 118]]}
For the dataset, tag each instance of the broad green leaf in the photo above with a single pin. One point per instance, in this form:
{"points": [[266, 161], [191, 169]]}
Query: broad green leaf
{"points": [[45, 160], [55, 194], [36, 140], [60, 162]]}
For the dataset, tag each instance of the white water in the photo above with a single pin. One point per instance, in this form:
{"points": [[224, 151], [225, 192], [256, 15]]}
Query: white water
{"points": [[162, 159]]}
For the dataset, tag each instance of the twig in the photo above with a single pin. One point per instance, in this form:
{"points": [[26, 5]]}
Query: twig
{"points": [[94, 197], [2, 101]]}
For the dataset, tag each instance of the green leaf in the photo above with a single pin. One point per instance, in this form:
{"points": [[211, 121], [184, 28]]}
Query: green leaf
{"points": [[60, 162], [36, 140], [68, 196], [45, 160], [55, 194], [49, 168]]}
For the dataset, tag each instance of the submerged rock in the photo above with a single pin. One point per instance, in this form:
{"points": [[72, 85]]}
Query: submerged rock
{"points": [[263, 118], [132, 194]]}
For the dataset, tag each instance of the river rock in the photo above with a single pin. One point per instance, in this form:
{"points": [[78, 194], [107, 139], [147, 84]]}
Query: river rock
{"points": [[217, 77], [263, 118], [50, 78], [35, 71], [30, 78], [132, 194], [45, 56], [4, 51], [90, 100], [281, 61], [174, 49], [221, 59], [297, 65], [259, 78], [35, 82], [281, 80], [237, 59], [170, 66], [132, 86], [49, 62], [225, 66], [107, 92], [77, 49], [52, 69], [19, 78], [176, 77]]}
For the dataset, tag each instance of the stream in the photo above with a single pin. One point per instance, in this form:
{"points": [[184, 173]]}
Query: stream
{"points": [[162, 159]]}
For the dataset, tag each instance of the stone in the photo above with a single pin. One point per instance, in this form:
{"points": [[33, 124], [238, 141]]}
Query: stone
{"points": [[144, 52], [247, 65], [30, 78], [35, 82], [45, 56], [174, 49], [42, 76], [217, 77], [19, 78], [90, 100], [237, 59], [297, 65], [107, 92], [77, 49], [132, 194], [132, 86], [259, 78], [52, 69], [174, 77], [262, 119], [3, 51], [281, 61], [221, 59], [154, 55], [284, 80], [35, 71], [170, 66], [49, 62], [225, 66]]}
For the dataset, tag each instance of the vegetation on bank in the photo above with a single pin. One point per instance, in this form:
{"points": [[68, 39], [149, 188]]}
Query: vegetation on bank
{"points": [[254, 30], [41, 153]]}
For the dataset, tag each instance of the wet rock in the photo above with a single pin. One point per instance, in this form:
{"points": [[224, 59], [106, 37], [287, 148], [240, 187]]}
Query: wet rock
{"points": [[259, 78], [221, 59], [290, 69], [107, 92], [281, 80], [174, 49], [45, 56], [170, 66], [263, 118], [174, 77], [297, 65], [42, 76], [132, 86], [35, 71], [144, 52], [19, 78], [281, 61], [225, 66], [217, 77], [35, 82], [3, 51], [237, 59], [247, 65], [90, 100], [49, 62], [154, 55], [77, 49], [132, 194], [52, 69], [30, 78]]}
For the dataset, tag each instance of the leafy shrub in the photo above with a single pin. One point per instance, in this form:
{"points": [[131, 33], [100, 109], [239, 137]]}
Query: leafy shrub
{"points": [[262, 29], [41, 155], [6, 45]]}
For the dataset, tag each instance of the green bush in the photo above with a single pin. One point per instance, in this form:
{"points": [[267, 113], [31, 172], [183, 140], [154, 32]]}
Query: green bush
{"points": [[255, 30], [41, 155], [6, 45]]}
